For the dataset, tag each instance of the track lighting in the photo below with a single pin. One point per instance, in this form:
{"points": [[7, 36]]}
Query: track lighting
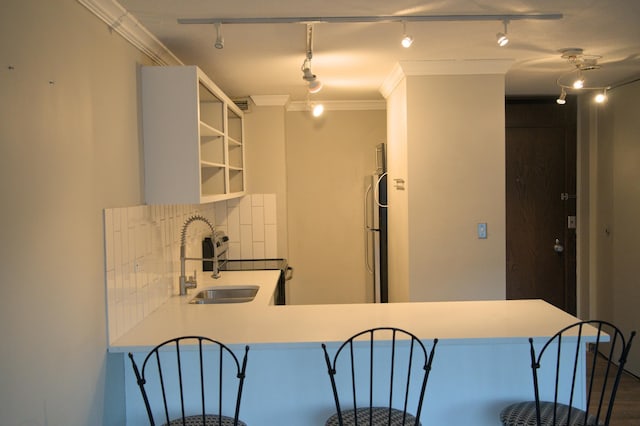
{"points": [[407, 40], [601, 97], [581, 63], [317, 110], [562, 99], [578, 83], [313, 84], [219, 44], [501, 38]]}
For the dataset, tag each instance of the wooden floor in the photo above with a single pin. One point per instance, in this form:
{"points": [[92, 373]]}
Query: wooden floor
{"points": [[626, 411]]}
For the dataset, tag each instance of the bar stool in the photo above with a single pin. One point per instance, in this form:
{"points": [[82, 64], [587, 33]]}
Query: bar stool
{"points": [[556, 402], [379, 377], [206, 368]]}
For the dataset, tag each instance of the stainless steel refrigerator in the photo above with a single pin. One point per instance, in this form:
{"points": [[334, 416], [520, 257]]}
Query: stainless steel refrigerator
{"points": [[375, 224]]}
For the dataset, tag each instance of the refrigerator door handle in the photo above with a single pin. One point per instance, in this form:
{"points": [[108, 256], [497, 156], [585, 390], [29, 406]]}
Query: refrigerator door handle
{"points": [[367, 226], [368, 229], [376, 197], [366, 207]]}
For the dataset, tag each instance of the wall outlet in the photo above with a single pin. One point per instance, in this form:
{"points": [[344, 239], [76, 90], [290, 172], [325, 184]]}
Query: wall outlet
{"points": [[482, 231]]}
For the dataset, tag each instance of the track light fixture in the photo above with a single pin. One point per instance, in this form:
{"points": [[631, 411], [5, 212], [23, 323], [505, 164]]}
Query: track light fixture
{"points": [[562, 99], [601, 97], [219, 44], [313, 84], [575, 79], [407, 40], [315, 108], [578, 83], [501, 38], [377, 18]]}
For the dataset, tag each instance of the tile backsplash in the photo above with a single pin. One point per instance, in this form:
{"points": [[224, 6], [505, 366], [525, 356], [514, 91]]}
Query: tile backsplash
{"points": [[142, 250]]}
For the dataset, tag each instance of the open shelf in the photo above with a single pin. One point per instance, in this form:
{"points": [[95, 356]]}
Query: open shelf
{"points": [[193, 138]]}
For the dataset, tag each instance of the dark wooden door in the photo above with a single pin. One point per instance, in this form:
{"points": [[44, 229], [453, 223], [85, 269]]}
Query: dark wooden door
{"points": [[540, 201]]}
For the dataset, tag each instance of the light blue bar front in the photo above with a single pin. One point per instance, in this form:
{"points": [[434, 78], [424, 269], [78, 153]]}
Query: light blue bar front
{"points": [[288, 384]]}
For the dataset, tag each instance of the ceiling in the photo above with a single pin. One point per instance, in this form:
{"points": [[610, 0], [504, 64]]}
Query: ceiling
{"points": [[354, 59]]}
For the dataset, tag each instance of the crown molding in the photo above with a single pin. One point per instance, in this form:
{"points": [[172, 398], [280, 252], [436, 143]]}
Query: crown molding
{"points": [[404, 69], [393, 79], [340, 105], [121, 21]]}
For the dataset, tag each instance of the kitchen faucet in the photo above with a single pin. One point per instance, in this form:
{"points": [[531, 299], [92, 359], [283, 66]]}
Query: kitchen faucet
{"points": [[186, 283]]}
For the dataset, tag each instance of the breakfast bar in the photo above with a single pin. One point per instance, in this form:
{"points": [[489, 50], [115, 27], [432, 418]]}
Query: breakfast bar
{"points": [[481, 362]]}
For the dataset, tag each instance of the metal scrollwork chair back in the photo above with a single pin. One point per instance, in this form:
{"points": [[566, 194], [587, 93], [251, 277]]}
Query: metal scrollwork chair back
{"points": [[192, 380], [379, 377], [558, 371]]}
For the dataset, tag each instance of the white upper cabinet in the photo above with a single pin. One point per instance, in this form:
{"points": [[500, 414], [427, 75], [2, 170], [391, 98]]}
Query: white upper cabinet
{"points": [[193, 138]]}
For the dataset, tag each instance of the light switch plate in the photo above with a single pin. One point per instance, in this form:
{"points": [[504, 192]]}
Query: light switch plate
{"points": [[482, 230]]}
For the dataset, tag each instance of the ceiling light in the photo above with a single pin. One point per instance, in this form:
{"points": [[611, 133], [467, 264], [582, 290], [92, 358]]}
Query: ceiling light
{"points": [[562, 99], [219, 44], [317, 110], [407, 40], [601, 97], [579, 82], [313, 84], [574, 80], [502, 38]]}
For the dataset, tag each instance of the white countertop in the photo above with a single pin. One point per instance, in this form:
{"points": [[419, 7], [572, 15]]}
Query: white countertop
{"points": [[259, 322]]}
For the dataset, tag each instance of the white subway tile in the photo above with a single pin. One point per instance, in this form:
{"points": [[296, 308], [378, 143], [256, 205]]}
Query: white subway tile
{"points": [[108, 235], [221, 213], [270, 212], [117, 253], [271, 241], [257, 200], [246, 242], [233, 203], [130, 244], [139, 240], [245, 210], [234, 251], [258, 250], [258, 223], [233, 224], [116, 219]]}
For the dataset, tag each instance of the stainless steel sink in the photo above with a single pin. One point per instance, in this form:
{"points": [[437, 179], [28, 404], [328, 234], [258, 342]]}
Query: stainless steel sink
{"points": [[226, 294]]}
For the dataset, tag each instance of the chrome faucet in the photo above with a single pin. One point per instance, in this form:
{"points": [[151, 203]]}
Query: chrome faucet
{"points": [[190, 282]]}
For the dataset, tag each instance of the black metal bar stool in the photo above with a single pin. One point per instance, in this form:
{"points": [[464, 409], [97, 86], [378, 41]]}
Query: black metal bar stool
{"points": [[562, 354], [379, 377], [167, 376]]}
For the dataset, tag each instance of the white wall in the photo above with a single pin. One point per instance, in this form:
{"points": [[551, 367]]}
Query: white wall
{"points": [[398, 200], [68, 150], [266, 161], [327, 163], [612, 231], [452, 161]]}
